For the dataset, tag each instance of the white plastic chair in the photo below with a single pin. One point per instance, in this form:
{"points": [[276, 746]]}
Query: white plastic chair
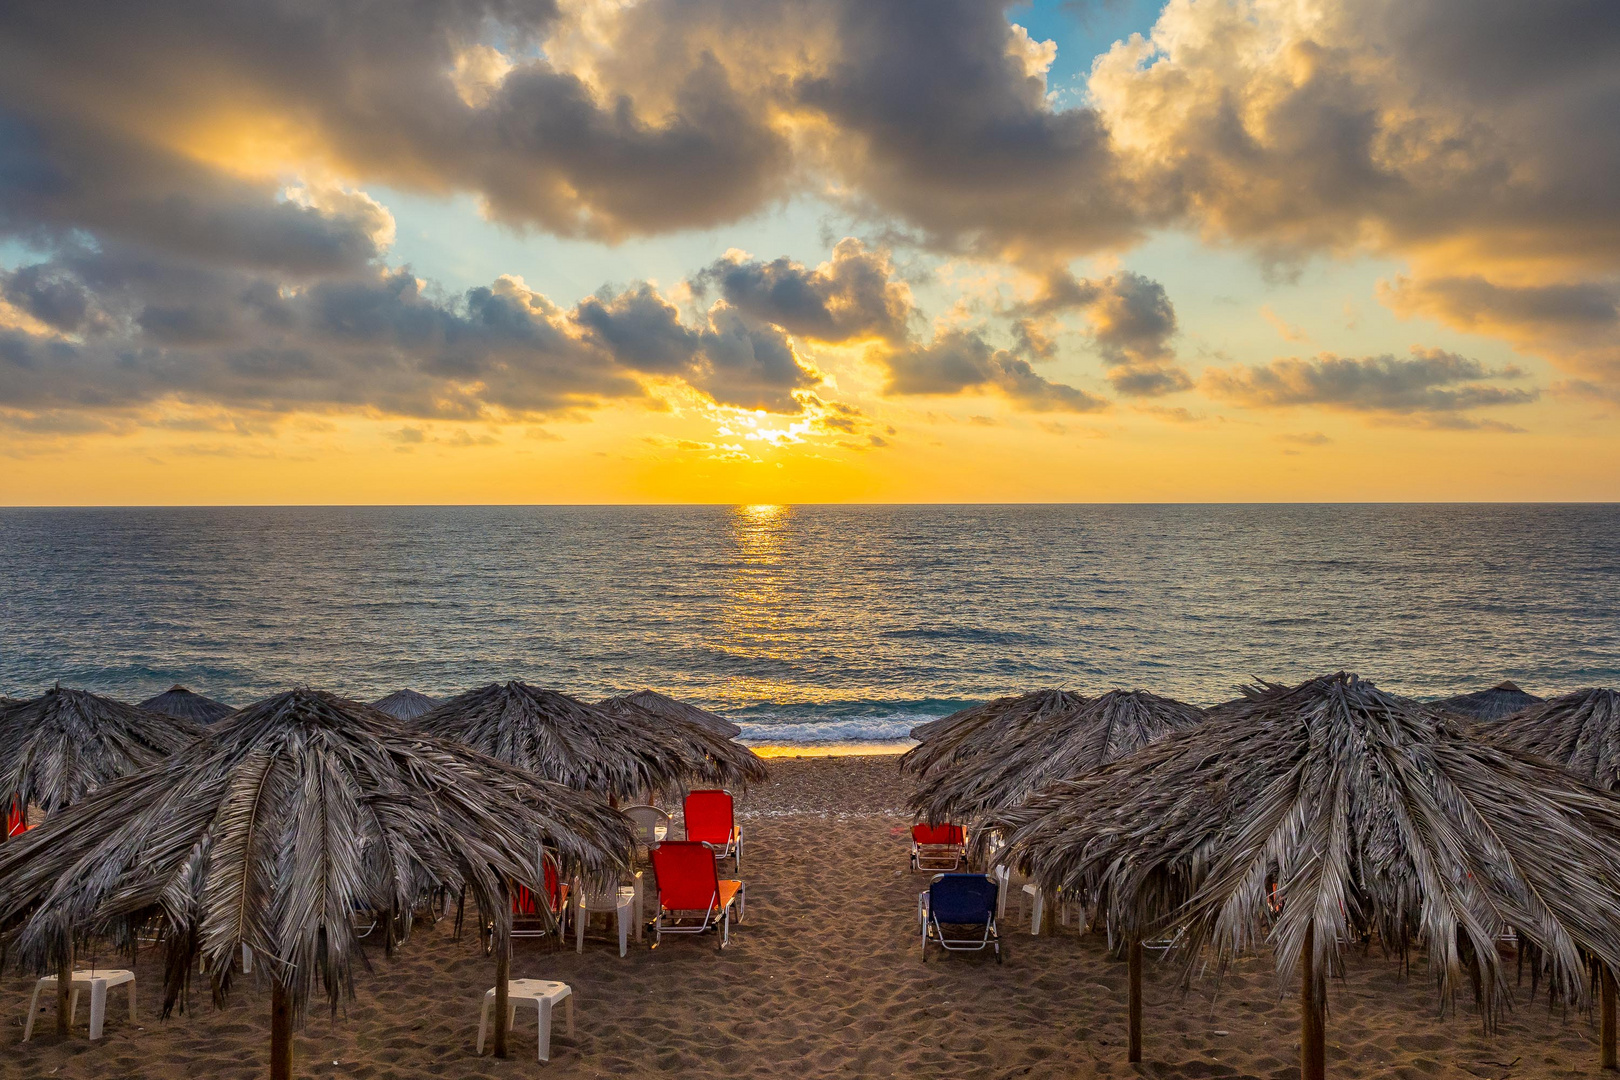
{"points": [[99, 983], [543, 995], [620, 899]]}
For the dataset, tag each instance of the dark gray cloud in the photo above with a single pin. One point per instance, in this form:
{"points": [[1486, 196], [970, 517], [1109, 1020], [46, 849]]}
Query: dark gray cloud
{"points": [[1131, 322], [375, 96], [383, 344], [960, 361], [1431, 383], [60, 181], [853, 295], [733, 359], [943, 121]]}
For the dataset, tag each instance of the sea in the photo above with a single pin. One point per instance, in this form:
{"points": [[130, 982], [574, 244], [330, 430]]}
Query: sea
{"points": [[829, 627]]}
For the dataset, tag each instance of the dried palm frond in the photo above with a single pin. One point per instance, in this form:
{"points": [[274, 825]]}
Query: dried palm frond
{"points": [[1578, 731], [710, 758], [65, 743], [1066, 743], [981, 728], [274, 830], [675, 709], [1327, 812], [178, 701], [405, 704], [561, 738], [1503, 699]]}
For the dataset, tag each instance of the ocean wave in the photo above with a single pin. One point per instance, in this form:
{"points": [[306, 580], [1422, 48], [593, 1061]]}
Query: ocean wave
{"points": [[891, 727]]}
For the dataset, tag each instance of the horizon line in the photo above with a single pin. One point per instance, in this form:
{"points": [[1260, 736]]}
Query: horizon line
{"points": [[896, 503]]}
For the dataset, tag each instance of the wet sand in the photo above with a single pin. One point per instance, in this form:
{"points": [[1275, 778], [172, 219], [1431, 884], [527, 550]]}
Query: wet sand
{"points": [[823, 980]]}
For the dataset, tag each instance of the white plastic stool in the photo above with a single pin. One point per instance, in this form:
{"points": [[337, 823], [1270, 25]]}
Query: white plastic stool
{"points": [[99, 982], [621, 901], [540, 993]]}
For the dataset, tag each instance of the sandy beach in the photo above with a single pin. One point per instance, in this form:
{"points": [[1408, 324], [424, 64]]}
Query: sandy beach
{"points": [[823, 980]]}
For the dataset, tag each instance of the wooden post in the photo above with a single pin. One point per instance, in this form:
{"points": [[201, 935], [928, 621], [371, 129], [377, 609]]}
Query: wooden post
{"points": [[1312, 1025], [64, 987], [1606, 1015], [281, 1036], [1134, 961], [503, 971]]}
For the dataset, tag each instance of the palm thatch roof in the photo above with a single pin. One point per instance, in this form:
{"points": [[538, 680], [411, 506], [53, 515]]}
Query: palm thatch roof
{"points": [[1065, 744], [1501, 700], [1579, 731], [405, 704], [274, 829], [711, 758], [1367, 813], [673, 708], [980, 728], [178, 701], [560, 738], [65, 743]]}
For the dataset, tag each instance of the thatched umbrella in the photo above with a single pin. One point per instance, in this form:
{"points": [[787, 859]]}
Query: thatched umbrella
{"points": [[1579, 731], [65, 743], [405, 704], [178, 701], [1357, 812], [672, 708], [711, 758], [1503, 699], [272, 831], [980, 728], [1067, 743], [561, 738]]}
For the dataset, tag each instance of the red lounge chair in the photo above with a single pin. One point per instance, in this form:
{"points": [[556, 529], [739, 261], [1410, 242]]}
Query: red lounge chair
{"points": [[709, 820], [689, 888], [16, 820], [527, 912], [938, 847]]}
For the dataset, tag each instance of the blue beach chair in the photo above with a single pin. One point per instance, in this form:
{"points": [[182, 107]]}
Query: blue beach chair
{"points": [[967, 904]]}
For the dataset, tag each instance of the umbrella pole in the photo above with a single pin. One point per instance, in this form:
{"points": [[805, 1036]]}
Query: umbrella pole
{"points": [[1606, 1038], [503, 973], [1134, 962], [64, 987], [1312, 1025], [280, 1031]]}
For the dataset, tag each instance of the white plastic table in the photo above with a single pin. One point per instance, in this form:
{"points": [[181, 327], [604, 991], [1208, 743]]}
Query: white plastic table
{"points": [[542, 994], [99, 982]]}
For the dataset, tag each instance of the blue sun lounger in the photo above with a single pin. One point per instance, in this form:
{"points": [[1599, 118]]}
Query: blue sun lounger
{"points": [[965, 903]]}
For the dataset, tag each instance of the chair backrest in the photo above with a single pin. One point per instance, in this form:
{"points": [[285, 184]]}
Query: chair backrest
{"points": [[644, 821], [962, 898], [708, 816], [923, 833], [687, 879]]}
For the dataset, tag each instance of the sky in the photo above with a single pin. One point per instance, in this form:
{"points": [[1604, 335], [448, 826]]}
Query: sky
{"points": [[775, 251]]}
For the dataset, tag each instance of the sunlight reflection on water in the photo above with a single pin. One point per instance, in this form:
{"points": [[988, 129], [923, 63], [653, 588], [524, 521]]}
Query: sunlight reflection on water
{"points": [[827, 624]]}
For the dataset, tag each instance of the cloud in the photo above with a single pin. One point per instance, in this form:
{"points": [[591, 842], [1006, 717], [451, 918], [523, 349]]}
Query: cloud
{"points": [[852, 295], [733, 359], [1285, 330], [1305, 438], [1432, 385], [1574, 323], [120, 330], [961, 361], [1131, 319]]}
